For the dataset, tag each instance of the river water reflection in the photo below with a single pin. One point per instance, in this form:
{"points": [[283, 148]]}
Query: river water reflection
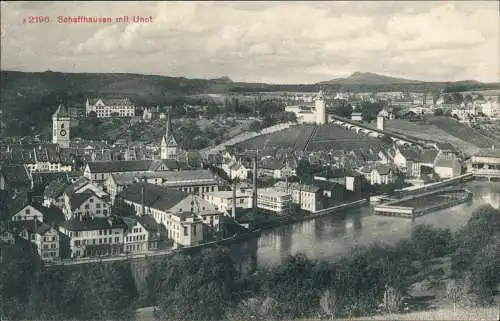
{"points": [[327, 237]]}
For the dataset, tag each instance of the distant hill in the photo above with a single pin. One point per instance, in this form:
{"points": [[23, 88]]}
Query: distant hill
{"points": [[28, 99], [223, 79], [368, 78]]}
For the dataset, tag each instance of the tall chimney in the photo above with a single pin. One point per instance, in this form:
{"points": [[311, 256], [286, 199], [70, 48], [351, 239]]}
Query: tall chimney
{"points": [[233, 212], [254, 187], [143, 184]]}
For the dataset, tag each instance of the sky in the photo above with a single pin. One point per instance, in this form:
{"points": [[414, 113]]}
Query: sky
{"points": [[273, 42]]}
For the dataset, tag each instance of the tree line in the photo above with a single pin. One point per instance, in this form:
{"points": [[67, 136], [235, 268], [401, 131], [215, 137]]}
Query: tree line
{"points": [[206, 285]]}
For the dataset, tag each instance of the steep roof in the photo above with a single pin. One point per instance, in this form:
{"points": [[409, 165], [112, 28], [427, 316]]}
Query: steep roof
{"points": [[93, 224], [60, 112], [409, 154], [16, 174], [77, 199]]}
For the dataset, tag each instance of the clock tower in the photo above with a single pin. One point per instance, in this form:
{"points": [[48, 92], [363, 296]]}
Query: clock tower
{"points": [[60, 127]]}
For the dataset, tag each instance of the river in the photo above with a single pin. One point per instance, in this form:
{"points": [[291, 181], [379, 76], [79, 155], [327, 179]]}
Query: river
{"points": [[327, 237]]}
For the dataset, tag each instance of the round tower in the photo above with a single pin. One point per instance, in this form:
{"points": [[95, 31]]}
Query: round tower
{"points": [[320, 107]]}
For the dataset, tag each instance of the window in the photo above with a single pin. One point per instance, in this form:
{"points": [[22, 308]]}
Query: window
{"points": [[100, 241], [117, 239], [98, 205], [98, 211], [91, 200], [105, 212], [110, 240], [52, 246], [86, 206]]}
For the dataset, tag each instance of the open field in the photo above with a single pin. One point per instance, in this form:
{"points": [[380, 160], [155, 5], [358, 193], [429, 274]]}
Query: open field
{"points": [[326, 137], [432, 131], [466, 133]]}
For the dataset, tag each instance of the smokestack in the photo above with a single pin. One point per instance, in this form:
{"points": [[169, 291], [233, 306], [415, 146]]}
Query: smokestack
{"points": [[233, 213], [143, 184], [254, 186]]}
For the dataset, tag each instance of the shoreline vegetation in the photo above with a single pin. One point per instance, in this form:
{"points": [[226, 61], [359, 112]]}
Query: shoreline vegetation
{"points": [[433, 268]]}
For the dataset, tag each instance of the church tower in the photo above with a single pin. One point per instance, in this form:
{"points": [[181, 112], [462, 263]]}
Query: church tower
{"points": [[60, 127], [169, 147], [320, 107]]}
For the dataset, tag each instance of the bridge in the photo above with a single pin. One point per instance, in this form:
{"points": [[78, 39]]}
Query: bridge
{"points": [[374, 132]]}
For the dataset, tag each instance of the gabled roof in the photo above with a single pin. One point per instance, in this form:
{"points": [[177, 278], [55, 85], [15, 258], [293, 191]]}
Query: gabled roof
{"points": [[78, 199], [22, 204], [155, 196], [409, 154]]}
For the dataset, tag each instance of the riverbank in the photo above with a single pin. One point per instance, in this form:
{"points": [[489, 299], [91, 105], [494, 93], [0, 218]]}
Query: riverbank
{"points": [[260, 220]]}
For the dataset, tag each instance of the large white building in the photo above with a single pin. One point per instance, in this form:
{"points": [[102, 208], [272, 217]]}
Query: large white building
{"points": [[182, 215], [273, 200], [110, 107]]}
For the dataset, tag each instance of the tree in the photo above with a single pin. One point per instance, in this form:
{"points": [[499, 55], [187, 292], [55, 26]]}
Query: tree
{"points": [[92, 114], [195, 287]]}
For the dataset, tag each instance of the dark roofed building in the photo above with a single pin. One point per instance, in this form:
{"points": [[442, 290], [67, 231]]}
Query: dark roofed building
{"points": [[151, 195]]}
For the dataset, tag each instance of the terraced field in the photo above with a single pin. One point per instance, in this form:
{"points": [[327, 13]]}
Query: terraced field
{"points": [[294, 137], [332, 136], [326, 137]]}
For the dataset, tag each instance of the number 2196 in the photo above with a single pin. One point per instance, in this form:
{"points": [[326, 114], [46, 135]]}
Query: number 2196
{"points": [[38, 19]]}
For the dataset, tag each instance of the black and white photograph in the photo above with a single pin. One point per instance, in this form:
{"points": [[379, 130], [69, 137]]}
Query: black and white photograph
{"points": [[249, 160]]}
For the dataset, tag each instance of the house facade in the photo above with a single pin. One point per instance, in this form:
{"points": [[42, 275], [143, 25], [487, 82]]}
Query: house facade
{"points": [[28, 212], [94, 236]]}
